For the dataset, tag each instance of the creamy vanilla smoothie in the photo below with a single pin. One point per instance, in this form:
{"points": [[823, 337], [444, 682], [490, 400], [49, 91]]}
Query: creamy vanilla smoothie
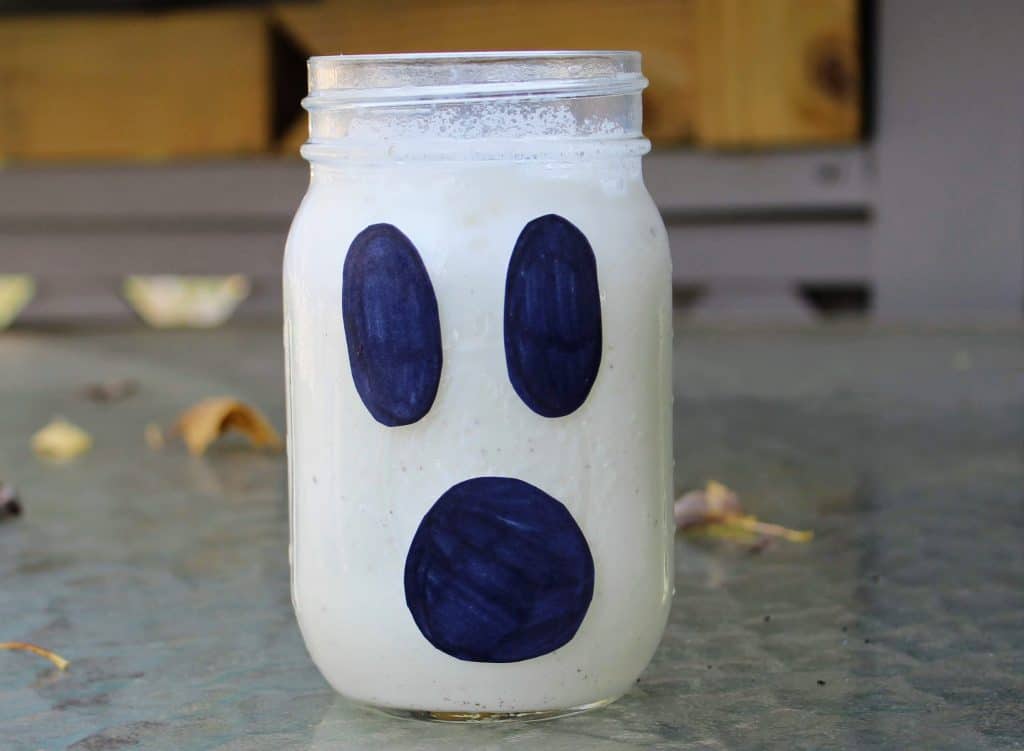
{"points": [[477, 338]]}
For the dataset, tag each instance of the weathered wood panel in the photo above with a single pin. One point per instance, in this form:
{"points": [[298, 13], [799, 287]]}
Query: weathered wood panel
{"points": [[777, 72], [130, 85]]}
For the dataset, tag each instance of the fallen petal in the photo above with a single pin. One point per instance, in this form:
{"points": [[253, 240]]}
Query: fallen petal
{"points": [[716, 512], [705, 506], [692, 509], [721, 499]]}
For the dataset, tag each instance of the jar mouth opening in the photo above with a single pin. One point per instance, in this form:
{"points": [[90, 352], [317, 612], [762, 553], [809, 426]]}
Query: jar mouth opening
{"points": [[337, 80]]}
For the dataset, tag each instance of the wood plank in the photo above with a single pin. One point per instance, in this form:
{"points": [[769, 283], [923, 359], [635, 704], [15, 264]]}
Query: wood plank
{"points": [[819, 180], [660, 29], [256, 189], [799, 251], [80, 276], [777, 72], [134, 85], [681, 182], [762, 252], [270, 189], [80, 229], [119, 252]]}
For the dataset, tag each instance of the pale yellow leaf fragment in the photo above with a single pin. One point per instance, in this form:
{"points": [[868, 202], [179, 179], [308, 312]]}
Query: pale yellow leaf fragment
{"points": [[185, 301], [61, 440], [22, 646], [16, 291], [204, 422]]}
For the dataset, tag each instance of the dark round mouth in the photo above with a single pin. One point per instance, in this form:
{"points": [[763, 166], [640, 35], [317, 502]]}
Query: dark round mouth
{"points": [[498, 571]]}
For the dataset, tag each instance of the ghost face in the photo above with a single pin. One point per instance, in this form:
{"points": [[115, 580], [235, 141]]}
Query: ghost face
{"points": [[498, 570]]}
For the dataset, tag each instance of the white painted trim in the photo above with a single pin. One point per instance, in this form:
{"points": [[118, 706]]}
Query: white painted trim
{"points": [[800, 252], [814, 180]]}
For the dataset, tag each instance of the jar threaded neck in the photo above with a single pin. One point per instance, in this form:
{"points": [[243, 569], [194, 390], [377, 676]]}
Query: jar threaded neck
{"points": [[475, 105]]}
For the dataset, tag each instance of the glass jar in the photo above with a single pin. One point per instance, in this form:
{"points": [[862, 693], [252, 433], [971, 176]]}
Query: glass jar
{"points": [[478, 340]]}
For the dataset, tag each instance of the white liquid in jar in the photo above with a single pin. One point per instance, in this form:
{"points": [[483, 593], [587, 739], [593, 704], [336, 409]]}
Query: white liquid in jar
{"points": [[359, 489]]}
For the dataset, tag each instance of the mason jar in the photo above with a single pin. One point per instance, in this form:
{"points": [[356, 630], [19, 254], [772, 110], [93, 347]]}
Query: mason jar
{"points": [[477, 293]]}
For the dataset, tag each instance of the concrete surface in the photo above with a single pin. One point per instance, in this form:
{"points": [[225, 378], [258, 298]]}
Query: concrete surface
{"points": [[164, 578]]}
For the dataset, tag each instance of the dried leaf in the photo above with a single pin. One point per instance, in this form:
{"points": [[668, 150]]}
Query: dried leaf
{"points": [[205, 422], [154, 436], [720, 531], [704, 506], [22, 646], [110, 391], [752, 524], [10, 504], [61, 441], [184, 301], [716, 512], [16, 291]]}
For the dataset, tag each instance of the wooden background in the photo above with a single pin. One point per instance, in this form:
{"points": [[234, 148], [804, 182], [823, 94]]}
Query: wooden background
{"points": [[156, 86], [166, 142]]}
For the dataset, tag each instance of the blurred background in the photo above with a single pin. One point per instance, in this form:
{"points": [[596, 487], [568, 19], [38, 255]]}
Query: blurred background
{"points": [[814, 159]]}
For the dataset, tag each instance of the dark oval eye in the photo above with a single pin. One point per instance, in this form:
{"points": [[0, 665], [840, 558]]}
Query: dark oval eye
{"points": [[552, 317], [392, 327]]}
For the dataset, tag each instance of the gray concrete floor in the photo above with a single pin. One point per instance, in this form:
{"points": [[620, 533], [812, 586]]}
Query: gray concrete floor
{"points": [[164, 578]]}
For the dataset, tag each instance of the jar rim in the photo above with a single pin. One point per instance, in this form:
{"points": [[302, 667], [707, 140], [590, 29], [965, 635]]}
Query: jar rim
{"points": [[451, 76]]}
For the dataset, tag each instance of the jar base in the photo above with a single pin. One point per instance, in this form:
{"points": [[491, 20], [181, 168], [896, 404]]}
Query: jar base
{"points": [[490, 717]]}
